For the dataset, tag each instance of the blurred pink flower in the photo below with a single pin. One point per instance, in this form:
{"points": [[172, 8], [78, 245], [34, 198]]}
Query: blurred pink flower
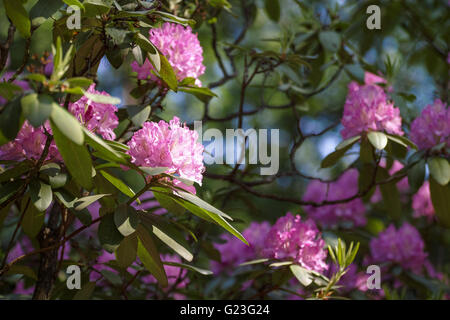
{"points": [[292, 239], [332, 215], [234, 252], [404, 247], [169, 145], [182, 49], [96, 117], [421, 202], [432, 127], [367, 108]]}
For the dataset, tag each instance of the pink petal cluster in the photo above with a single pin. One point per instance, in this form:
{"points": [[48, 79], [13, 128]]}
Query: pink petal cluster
{"points": [[171, 145], [30, 142], [300, 241], [403, 246], [367, 109], [421, 202], [332, 215], [182, 49], [96, 117], [432, 127], [234, 252]]}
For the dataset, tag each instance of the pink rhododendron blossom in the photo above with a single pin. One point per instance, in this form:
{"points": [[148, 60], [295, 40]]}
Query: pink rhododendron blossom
{"points": [[300, 241], [403, 246], [182, 49], [30, 142], [402, 185], [371, 78], [169, 145], [421, 202], [432, 127], [332, 215], [234, 252], [96, 117], [368, 109]]}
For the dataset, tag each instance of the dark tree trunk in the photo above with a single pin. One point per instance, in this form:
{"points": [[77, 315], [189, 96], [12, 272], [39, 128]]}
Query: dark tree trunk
{"points": [[48, 266]]}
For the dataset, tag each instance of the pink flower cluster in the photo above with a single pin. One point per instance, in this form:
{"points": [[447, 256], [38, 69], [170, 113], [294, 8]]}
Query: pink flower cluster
{"points": [[367, 108], [421, 202], [30, 142], [432, 127], [96, 117], [332, 215], [234, 252], [169, 145], [404, 247], [300, 241], [182, 49]]}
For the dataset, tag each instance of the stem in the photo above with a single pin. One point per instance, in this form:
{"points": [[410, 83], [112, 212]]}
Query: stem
{"points": [[48, 266]]}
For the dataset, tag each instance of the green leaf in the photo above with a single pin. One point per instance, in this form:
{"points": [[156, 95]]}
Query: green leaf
{"points": [[126, 219], [302, 274], [189, 267], [403, 139], [333, 158], [119, 184], [100, 98], [439, 170], [85, 292], [355, 71], [168, 203], [67, 124], [110, 238], [366, 152], [203, 94], [112, 277], [167, 73], [10, 121], [272, 9], [102, 147], [74, 3], [154, 171], [33, 219], [391, 196], [95, 8], [377, 139], [7, 190], [41, 195], [79, 82], [172, 243], [440, 197], [127, 250], [15, 171], [201, 203], [172, 18], [149, 256], [85, 202], [416, 175], [36, 108], [330, 40], [22, 269], [76, 158], [19, 16], [138, 115], [252, 262], [348, 142]]}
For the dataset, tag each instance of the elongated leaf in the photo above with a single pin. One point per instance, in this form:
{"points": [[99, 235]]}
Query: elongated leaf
{"points": [[302, 275], [100, 98], [138, 115], [189, 267], [110, 238], [170, 237], [19, 16], [41, 195], [348, 142], [76, 158], [101, 146], [440, 197], [15, 171], [67, 124], [127, 250], [334, 157], [36, 108], [119, 184], [85, 292], [167, 73], [272, 9], [391, 196], [149, 256], [84, 202], [126, 219], [33, 219], [439, 170]]}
